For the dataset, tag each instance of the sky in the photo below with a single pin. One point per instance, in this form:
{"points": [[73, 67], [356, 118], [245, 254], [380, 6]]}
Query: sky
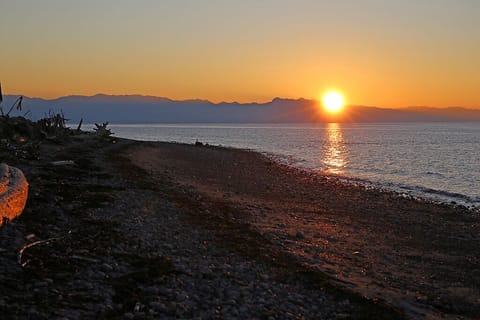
{"points": [[384, 53]]}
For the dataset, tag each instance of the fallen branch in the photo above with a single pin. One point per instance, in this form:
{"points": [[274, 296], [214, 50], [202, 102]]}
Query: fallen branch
{"points": [[80, 125], [36, 243], [18, 103]]}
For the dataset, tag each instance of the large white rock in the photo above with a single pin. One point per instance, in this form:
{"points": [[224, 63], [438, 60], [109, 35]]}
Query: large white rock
{"points": [[13, 192]]}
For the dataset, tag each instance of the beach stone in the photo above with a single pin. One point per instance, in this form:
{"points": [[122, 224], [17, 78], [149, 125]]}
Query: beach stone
{"points": [[106, 267], [157, 306], [299, 235], [151, 291], [40, 284], [13, 192]]}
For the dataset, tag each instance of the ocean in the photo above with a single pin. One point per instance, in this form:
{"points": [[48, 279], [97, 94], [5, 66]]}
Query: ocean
{"points": [[438, 161]]}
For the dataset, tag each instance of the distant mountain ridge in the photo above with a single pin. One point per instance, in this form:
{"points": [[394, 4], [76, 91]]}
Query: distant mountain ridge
{"points": [[151, 109]]}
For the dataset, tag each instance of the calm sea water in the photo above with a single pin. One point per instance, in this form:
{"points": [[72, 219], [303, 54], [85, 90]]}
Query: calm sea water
{"points": [[435, 160]]}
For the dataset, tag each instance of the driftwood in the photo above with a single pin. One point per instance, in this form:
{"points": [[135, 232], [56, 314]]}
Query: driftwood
{"points": [[36, 243], [79, 127], [53, 125], [101, 130], [13, 192], [17, 103]]}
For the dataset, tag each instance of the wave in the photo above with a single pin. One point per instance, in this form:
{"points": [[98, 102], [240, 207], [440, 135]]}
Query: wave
{"points": [[419, 192], [434, 174]]}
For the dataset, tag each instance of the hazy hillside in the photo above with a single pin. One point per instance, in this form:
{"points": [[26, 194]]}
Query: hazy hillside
{"points": [[144, 109]]}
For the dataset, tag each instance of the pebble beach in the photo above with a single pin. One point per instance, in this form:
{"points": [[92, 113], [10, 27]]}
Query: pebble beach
{"points": [[140, 230]]}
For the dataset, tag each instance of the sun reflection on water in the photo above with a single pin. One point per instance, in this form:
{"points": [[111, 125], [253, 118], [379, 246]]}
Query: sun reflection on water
{"points": [[335, 151]]}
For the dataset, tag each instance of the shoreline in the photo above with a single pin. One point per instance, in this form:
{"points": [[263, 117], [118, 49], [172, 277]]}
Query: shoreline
{"points": [[217, 217], [265, 223], [426, 185], [403, 190], [413, 192], [433, 196]]}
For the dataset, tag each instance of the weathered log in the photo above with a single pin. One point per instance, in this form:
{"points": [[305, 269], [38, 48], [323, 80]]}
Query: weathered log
{"points": [[13, 192]]}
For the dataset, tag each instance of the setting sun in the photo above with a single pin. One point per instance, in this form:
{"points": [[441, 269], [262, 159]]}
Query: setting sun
{"points": [[333, 101]]}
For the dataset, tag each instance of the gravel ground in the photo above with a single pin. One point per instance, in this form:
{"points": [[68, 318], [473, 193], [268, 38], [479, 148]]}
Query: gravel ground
{"points": [[135, 230], [100, 239], [417, 256]]}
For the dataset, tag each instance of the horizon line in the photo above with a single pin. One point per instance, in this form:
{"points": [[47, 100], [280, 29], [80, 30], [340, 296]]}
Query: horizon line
{"points": [[234, 102]]}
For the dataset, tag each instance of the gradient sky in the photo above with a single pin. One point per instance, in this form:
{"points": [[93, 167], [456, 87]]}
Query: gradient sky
{"points": [[378, 52]]}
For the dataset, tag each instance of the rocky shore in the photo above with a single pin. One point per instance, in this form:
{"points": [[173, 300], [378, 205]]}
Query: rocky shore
{"points": [[117, 229]]}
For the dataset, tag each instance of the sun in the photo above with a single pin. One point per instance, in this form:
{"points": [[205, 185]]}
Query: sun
{"points": [[333, 101]]}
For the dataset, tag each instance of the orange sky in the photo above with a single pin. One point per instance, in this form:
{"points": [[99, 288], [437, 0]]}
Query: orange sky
{"points": [[383, 53]]}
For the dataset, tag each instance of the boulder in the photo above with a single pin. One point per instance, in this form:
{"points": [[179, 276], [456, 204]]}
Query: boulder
{"points": [[13, 192]]}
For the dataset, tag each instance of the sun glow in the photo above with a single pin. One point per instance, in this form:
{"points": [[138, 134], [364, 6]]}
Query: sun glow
{"points": [[333, 101]]}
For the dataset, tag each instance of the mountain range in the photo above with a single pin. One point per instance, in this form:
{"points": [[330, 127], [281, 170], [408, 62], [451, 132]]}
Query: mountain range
{"points": [[148, 109]]}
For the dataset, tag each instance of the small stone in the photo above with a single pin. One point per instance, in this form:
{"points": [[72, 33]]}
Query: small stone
{"points": [[106, 267], [157, 306], [151, 291], [40, 284], [128, 316], [137, 307], [319, 249], [299, 235]]}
